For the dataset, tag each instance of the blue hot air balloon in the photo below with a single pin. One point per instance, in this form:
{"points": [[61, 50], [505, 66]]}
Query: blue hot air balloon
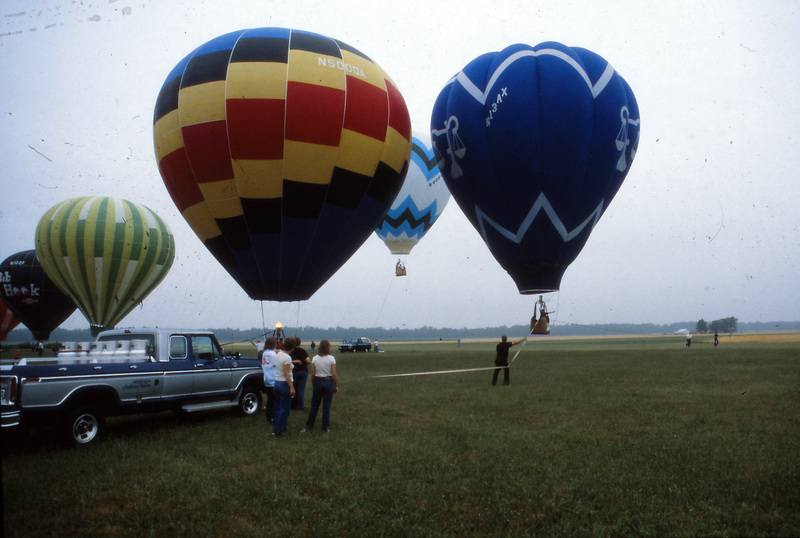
{"points": [[533, 143]]}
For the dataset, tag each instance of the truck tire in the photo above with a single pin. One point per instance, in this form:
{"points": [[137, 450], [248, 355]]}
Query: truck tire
{"points": [[249, 401], [84, 425]]}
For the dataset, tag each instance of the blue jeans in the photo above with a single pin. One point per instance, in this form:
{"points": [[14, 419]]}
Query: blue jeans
{"points": [[298, 402], [270, 407], [323, 392], [283, 403]]}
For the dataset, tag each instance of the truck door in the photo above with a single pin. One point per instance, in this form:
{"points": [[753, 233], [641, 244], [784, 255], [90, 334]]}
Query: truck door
{"points": [[210, 374], [180, 371]]}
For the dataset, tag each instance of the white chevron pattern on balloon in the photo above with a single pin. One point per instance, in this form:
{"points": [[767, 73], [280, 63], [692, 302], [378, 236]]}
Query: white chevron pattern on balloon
{"points": [[481, 95], [541, 204]]}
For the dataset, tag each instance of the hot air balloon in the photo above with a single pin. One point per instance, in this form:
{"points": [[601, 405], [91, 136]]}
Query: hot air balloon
{"points": [[420, 202], [282, 149], [533, 143], [30, 294], [106, 254], [7, 321]]}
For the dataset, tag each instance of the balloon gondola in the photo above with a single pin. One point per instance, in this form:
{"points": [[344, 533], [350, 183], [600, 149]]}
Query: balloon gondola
{"points": [[540, 325], [533, 143]]}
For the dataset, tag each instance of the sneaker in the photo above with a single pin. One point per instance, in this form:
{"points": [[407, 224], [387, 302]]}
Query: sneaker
{"points": [[326, 431], [305, 430]]}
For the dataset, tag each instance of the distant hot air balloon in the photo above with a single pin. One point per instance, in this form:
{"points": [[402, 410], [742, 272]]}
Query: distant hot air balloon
{"points": [[30, 294], [106, 254], [282, 149], [7, 321], [533, 143], [420, 202]]}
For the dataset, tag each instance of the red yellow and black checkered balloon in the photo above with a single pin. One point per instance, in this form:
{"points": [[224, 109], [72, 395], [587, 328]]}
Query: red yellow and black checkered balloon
{"points": [[283, 150]]}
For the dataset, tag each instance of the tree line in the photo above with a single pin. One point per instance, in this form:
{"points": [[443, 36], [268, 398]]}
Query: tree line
{"points": [[725, 325], [337, 334]]}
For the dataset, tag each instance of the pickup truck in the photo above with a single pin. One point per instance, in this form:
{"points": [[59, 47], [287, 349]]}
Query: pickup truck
{"points": [[361, 344], [127, 372]]}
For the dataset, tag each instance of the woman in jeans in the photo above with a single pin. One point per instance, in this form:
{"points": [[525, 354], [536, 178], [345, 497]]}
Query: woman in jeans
{"points": [[284, 388], [325, 384]]}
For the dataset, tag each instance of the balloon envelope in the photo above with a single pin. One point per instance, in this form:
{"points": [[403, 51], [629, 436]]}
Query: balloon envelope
{"points": [[418, 204], [282, 149], [7, 321], [30, 294], [533, 143], [106, 254]]}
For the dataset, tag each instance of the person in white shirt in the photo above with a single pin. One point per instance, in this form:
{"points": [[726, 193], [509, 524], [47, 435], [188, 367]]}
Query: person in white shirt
{"points": [[268, 357], [325, 384], [284, 389]]}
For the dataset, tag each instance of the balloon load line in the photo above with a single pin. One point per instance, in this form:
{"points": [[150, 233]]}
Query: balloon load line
{"points": [[437, 372], [380, 310], [454, 371]]}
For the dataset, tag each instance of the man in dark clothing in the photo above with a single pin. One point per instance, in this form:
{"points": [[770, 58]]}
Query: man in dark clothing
{"points": [[501, 361], [300, 374]]}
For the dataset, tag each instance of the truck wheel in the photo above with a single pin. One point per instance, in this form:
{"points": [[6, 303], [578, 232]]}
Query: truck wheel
{"points": [[84, 426], [249, 402]]}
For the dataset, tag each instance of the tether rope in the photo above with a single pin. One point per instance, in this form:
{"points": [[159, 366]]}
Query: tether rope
{"points": [[380, 310], [457, 371]]}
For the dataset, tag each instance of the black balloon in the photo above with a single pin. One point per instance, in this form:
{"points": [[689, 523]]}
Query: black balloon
{"points": [[31, 296]]}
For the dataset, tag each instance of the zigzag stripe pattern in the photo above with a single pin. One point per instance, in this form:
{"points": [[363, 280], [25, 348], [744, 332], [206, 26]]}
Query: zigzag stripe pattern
{"points": [[408, 221], [541, 204], [426, 163]]}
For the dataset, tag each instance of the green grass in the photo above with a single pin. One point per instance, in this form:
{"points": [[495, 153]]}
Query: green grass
{"points": [[629, 436]]}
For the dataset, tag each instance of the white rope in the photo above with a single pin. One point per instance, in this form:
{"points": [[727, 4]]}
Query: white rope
{"points": [[456, 371], [439, 372], [380, 310]]}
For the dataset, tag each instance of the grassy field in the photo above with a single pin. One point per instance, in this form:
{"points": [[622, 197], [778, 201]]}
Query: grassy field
{"points": [[612, 436]]}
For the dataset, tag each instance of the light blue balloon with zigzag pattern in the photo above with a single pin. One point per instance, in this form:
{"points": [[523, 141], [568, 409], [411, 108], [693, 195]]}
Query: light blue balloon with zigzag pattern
{"points": [[418, 204]]}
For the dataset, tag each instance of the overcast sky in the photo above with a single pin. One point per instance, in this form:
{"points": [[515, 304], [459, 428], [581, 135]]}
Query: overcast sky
{"points": [[705, 226]]}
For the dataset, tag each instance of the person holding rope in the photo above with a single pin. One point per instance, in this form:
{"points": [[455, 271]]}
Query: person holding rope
{"points": [[501, 361]]}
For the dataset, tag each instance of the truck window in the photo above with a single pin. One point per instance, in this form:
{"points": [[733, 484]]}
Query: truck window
{"points": [[177, 347], [203, 348], [149, 339]]}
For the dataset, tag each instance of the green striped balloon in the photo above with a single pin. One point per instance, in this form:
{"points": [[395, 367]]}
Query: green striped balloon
{"points": [[107, 255]]}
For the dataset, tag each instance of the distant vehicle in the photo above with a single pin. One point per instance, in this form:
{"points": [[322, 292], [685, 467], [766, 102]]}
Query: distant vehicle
{"points": [[362, 344]]}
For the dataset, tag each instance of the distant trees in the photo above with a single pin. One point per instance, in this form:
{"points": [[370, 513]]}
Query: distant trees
{"points": [[726, 325]]}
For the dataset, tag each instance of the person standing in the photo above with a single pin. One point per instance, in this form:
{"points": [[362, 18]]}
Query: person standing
{"points": [[268, 358], [259, 346], [300, 360], [716, 339], [688, 340], [284, 388], [325, 384], [501, 360]]}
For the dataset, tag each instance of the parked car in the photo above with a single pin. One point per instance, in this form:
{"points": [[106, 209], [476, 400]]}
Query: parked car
{"points": [[360, 344]]}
